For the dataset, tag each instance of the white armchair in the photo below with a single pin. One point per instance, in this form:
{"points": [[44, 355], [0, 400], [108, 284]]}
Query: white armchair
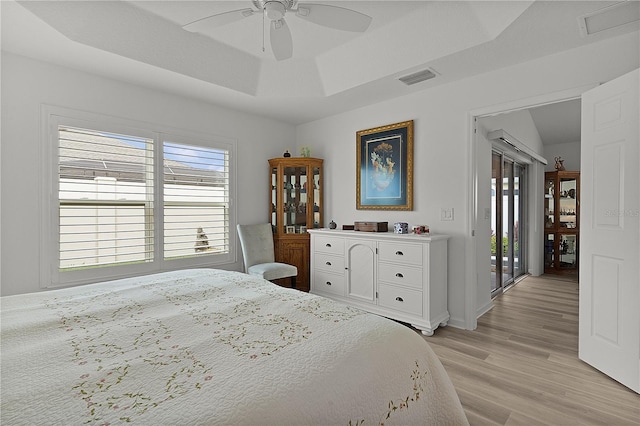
{"points": [[259, 256]]}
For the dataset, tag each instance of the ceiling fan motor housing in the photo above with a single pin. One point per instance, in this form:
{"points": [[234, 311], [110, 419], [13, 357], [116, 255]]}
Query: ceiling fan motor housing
{"points": [[275, 9]]}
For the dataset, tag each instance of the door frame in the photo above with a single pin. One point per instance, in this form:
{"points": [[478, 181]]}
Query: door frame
{"points": [[472, 310]]}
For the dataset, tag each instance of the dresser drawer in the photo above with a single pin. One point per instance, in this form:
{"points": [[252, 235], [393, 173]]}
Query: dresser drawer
{"points": [[328, 282], [329, 262], [410, 254], [400, 299], [327, 244], [400, 274]]}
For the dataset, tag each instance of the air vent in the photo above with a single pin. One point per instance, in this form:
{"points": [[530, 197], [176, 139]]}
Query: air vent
{"points": [[615, 16], [417, 77]]}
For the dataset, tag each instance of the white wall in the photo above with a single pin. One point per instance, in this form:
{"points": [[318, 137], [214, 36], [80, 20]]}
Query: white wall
{"points": [[27, 84], [442, 154], [569, 151]]}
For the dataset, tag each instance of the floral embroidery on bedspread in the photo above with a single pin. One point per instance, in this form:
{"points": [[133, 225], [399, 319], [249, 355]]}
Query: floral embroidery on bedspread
{"points": [[131, 358], [107, 357], [419, 379]]}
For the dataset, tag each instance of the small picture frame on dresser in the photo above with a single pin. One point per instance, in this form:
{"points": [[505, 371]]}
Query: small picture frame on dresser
{"points": [[290, 229], [303, 229]]}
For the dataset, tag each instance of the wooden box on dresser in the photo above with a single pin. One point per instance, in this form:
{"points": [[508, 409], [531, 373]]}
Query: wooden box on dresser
{"points": [[399, 276]]}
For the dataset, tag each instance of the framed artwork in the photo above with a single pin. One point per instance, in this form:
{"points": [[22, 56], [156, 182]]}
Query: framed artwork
{"points": [[303, 229], [290, 229], [384, 165]]}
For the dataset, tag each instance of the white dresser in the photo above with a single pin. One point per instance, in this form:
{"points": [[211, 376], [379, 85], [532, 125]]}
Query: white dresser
{"points": [[403, 277]]}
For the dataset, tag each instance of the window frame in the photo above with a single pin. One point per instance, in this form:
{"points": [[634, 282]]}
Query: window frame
{"points": [[50, 274]]}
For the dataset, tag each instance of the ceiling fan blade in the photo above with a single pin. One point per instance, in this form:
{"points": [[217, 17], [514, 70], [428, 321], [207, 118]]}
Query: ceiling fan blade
{"points": [[281, 41], [334, 17], [217, 20]]}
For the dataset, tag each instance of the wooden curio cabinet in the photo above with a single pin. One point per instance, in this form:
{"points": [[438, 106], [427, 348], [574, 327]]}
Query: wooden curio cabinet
{"points": [[295, 206], [562, 222]]}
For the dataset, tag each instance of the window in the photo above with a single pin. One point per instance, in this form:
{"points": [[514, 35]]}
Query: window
{"points": [[196, 200], [135, 201], [105, 193]]}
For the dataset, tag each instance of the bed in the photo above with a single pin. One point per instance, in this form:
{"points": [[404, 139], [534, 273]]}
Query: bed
{"points": [[207, 346]]}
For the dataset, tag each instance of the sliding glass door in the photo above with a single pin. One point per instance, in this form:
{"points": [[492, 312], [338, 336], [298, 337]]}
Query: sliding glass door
{"points": [[508, 224]]}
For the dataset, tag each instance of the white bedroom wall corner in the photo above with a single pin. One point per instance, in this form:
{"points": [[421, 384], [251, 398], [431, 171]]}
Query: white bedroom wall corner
{"points": [[472, 280], [46, 244], [536, 214], [483, 149]]}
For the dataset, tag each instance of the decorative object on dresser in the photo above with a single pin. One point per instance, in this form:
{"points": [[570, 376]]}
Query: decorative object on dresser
{"points": [[295, 185], [401, 228], [403, 277], [384, 164], [371, 226], [562, 222]]}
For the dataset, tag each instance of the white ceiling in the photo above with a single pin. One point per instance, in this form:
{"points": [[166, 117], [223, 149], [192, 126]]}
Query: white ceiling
{"points": [[559, 122], [331, 71]]}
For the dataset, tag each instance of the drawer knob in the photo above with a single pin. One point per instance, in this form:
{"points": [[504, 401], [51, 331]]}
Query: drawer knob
{"points": [[399, 299], [327, 245], [399, 275], [399, 253], [328, 283], [328, 263]]}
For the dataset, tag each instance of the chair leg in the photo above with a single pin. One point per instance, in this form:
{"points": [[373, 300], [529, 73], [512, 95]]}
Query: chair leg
{"points": [[293, 282]]}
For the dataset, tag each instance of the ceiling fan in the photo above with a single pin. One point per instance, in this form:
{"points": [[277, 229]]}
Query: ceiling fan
{"points": [[281, 41]]}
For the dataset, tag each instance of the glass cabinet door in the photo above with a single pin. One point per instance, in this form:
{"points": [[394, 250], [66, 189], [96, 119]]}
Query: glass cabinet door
{"points": [[568, 251], [317, 217], [295, 199], [274, 197], [549, 203], [549, 251], [568, 205]]}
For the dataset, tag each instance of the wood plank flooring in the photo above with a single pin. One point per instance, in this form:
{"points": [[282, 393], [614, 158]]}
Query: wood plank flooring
{"points": [[521, 366]]}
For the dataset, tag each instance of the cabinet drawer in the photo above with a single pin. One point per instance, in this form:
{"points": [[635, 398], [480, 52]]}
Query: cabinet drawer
{"points": [[410, 254], [327, 244], [400, 274], [400, 299], [327, 282], [328, 262]]}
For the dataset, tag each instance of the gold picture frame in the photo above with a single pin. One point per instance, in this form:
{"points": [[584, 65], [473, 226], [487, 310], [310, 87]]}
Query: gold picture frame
{"points": [[384, 167]]}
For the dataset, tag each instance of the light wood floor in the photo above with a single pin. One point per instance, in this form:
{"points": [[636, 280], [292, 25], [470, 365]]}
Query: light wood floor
{"points": [[521, 366]]}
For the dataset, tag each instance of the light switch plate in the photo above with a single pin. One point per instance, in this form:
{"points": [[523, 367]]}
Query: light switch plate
{"points": [[446, 214]]}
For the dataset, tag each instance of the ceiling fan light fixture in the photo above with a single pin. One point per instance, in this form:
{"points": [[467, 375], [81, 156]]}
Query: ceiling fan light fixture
{"points": [[274, 10]]}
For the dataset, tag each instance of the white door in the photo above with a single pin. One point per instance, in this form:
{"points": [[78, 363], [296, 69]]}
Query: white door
{"points": [[361, 278], [609, 230]]}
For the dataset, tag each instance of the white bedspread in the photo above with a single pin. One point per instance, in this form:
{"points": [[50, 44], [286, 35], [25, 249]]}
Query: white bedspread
{"points": [[207, 346]]}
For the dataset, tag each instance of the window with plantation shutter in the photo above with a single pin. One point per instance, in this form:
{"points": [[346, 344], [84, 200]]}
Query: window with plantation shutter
{"points": [[106, 198], [135, 201], [196, 200]]}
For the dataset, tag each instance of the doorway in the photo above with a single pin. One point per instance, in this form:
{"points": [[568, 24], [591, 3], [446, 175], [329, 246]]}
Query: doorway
{"points": [[508, 221]]}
